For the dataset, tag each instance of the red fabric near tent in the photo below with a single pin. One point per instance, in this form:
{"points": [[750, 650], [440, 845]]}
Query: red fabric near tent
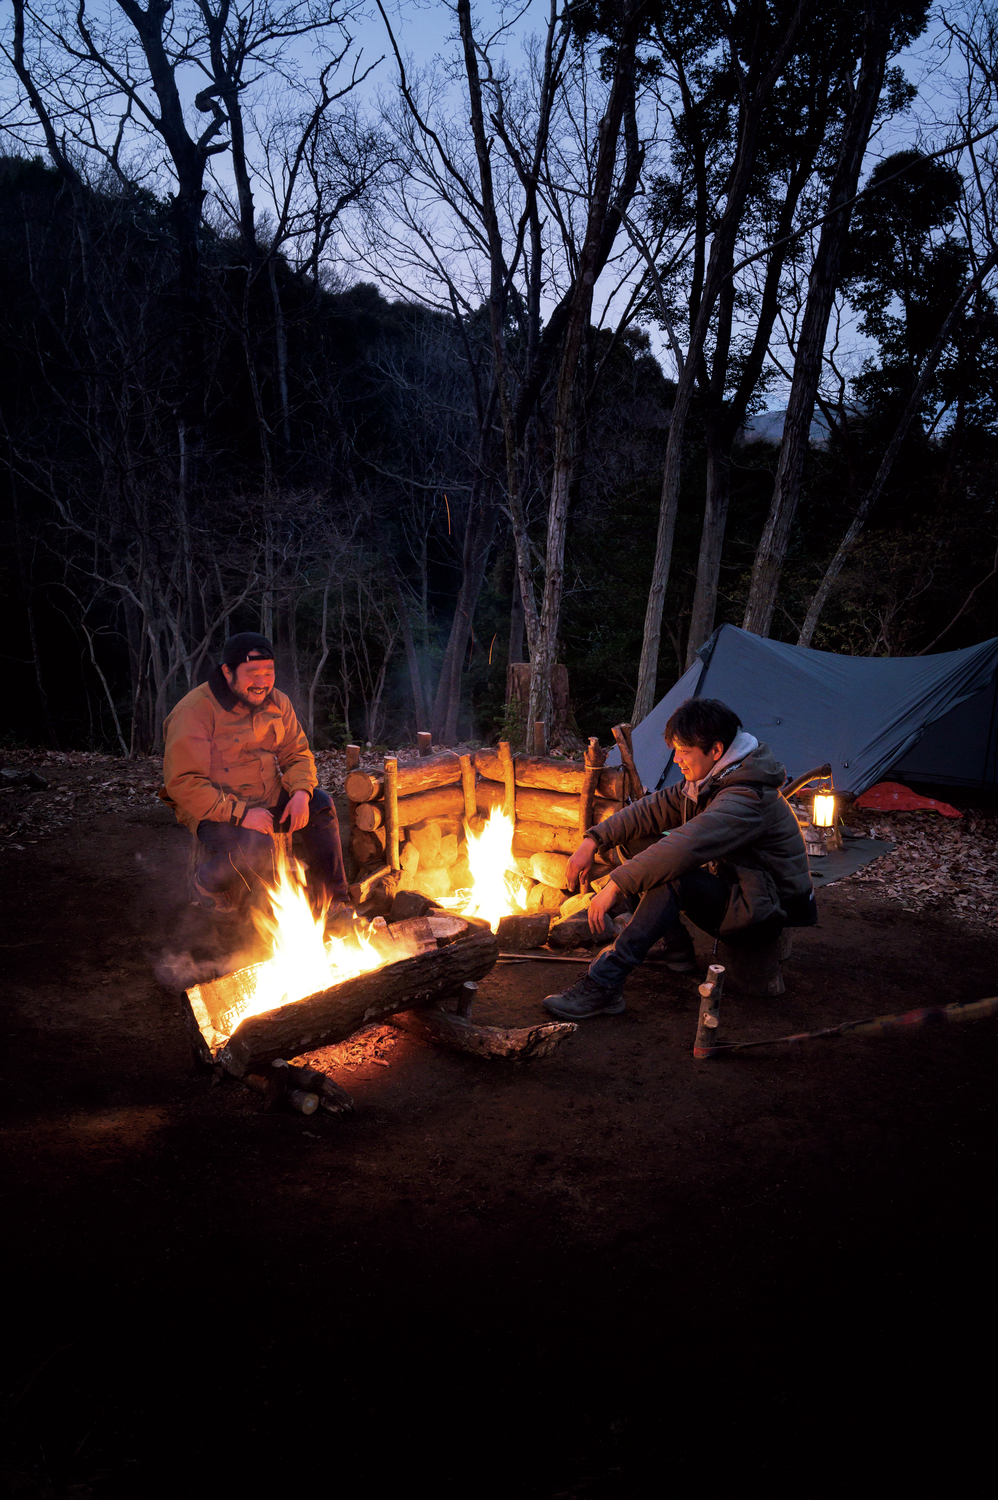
{"points": [[891, 796]]}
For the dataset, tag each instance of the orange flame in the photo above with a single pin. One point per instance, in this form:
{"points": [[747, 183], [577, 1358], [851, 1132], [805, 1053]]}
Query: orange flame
{"points": [[497, 888]]}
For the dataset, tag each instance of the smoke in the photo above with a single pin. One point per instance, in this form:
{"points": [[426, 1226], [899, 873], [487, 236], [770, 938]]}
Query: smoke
{"points": [[178, 971]]}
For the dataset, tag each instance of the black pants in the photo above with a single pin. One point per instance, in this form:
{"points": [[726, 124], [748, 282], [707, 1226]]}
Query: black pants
{"points": [[704, 899], [233, 852]]}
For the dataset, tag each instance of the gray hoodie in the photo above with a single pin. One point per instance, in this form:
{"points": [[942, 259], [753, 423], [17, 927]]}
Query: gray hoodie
{"points": [[734, 819]]}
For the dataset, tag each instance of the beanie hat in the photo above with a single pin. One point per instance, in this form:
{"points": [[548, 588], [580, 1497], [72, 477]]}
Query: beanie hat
{"points": [[239, 648]]}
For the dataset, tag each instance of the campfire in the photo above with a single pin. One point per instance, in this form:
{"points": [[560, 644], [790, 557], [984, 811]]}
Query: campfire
{"points": [[497, 889]]}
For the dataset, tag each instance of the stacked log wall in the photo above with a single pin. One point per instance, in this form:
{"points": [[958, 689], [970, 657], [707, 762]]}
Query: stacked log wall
{"points": [[552, 801]]}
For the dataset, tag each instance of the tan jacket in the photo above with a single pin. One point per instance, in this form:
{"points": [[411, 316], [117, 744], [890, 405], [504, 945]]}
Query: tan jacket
{"points": [[222, 757]]}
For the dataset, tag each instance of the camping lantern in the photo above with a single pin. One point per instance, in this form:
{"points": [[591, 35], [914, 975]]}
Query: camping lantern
{"points": [[824, 809]]}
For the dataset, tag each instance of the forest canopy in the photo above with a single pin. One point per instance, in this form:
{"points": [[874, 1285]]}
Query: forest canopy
{"points": [[425, 369]]}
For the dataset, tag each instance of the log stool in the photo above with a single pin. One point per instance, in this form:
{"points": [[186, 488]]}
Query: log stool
{"points": [[756, 971]]}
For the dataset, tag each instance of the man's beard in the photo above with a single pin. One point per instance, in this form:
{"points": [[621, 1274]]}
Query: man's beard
{"points": [[252, 701]]}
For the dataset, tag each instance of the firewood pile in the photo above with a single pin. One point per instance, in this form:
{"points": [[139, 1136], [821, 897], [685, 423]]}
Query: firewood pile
{"points": [[937, 865], [409, 820]]}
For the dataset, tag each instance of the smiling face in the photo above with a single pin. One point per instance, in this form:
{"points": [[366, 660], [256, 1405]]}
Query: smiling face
{"points": [[694, 762], [252, 680]]}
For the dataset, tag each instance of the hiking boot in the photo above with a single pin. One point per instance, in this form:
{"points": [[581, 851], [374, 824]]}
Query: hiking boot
{"points": [[585, 999], [677, 953], [223, 904]]}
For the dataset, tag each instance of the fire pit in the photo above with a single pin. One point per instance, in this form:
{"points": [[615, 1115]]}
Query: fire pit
{"points": [[315, 990]]}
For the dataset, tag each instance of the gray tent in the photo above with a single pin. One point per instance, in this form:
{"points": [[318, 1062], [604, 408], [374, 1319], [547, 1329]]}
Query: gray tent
{"points": [[909, 718]]}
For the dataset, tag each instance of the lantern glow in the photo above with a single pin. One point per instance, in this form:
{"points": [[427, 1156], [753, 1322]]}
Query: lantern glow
{"points": [[824, 810]]}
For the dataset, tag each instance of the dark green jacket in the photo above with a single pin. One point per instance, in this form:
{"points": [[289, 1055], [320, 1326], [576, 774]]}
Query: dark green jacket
{"points": [[734, 820]]}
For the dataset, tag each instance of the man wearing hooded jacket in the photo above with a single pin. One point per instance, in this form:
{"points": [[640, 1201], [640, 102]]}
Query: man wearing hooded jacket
{"points": [[723, 846], [237, 768]]}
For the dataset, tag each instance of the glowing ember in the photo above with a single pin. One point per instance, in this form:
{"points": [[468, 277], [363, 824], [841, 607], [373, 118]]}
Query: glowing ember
{"points": [[497, 890]]}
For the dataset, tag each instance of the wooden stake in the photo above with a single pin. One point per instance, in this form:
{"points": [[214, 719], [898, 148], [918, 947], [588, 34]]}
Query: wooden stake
{"points": [[710, 1005], [540, 745], [392, 812], [509, 779], [353, 757], [468, 786], [424, 742], [627, 759], [590, 778]]}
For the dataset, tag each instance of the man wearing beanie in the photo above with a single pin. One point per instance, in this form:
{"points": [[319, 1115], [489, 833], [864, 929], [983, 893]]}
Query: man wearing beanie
{"points": [[237, 769]]}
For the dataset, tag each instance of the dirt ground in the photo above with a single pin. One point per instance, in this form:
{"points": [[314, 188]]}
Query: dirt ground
{"points": [[613, 1272]]}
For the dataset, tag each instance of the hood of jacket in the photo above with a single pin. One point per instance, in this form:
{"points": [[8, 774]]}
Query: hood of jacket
{"points": [[745, 760]]}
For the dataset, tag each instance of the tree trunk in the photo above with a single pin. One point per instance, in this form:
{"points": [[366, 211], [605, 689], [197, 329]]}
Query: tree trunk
{"points": [[822, 285]]}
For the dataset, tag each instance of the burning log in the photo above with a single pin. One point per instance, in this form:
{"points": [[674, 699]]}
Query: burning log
{"points": [[332, 1014]]}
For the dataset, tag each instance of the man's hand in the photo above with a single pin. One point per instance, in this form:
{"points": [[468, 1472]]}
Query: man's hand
{"points": [[259, 820], [296, 812], [581, 862], [599, 906]]}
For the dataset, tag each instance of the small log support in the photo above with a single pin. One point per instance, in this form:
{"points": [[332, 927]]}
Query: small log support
{"points": [[363, 786], [352, 757], [392, 813], [424, 742], [540, 737]]}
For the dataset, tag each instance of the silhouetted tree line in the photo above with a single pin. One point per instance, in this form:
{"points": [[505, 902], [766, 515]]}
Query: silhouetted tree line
{"points": [[210, 421]]}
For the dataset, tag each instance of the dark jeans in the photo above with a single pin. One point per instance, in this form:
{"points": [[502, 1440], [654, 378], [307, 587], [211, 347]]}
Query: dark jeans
{"points": [[237, 853], [698, 893]]}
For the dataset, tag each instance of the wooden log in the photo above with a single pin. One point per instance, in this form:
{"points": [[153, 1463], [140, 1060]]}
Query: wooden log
{"points": [[364, 786], [424, 775], [508, 778], [368, 816], [353, 757], [333, 1014], [710, 1004], [392, 812], [551, 775], [590, 777], [444, 802], [365, 846], [516, 1044], [622, 735], [424, 742], [468, 786], [540, 737], [534, 838], [364, 885], [536, 806], [517, 933]]}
